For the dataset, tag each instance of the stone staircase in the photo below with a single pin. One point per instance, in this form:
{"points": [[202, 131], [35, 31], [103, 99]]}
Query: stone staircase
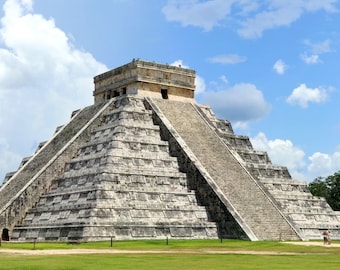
{"points": [[121, 184], [255, 211], [311, 215]]}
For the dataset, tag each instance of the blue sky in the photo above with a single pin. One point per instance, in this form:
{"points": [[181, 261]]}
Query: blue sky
{"points": [[270, 67]]}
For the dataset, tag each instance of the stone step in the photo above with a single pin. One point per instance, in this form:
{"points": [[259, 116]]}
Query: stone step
{"points": [[124, 131], [135, 152], [145, 163], [138, 144], [254, 157], [277, 182], [149, 184], [116, 176], [113, 198], [237, 142], [97, 233], [118, 215], [223, 126], [120, 191], [115, 169], [268, 171], [291, 195]]}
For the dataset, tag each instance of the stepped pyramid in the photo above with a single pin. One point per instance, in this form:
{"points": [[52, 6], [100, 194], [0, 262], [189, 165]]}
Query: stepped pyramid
{"points": [[147, 161]]}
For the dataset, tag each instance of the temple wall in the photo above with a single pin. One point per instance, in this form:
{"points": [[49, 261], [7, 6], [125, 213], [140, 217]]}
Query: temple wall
{"points": [[146, 77]]}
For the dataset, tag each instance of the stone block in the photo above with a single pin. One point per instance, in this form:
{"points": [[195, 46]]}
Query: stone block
{"points": [[179, 232], [143, 232]]}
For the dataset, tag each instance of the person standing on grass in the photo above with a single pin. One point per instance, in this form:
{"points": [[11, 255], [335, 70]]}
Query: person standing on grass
{"points": [[326, 238]]}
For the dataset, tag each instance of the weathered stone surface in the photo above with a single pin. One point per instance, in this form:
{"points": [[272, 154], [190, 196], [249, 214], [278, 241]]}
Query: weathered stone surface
{"points": [[123, 177], [147, 162]]}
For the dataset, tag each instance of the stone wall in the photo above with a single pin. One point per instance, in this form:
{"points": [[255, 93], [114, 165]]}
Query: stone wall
{"points": [[145, 76]]}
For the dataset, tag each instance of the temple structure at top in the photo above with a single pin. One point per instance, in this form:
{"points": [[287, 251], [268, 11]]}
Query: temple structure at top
{"points": [[145, 78]]}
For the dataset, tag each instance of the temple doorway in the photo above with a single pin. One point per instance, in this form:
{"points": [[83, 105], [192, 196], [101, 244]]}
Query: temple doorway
{"points": [[5, 234]]}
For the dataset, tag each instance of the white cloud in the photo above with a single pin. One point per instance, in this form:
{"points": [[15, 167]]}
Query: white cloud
{"points": [[310, 59], [323, 165], [200, 85], [319, 47], [276, 16], [285, 153], [178, 63], [282, 153], [247, 7], [302, 95], [224, 79], [315, 50], [240, 104], [205, 14], [281, 13], [9, 159], [43, 79], [227, 59], [280, 67], [254, 18]]}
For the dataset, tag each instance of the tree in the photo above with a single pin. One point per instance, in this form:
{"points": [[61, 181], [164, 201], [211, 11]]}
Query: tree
{"points": [[318, 187], [333, 196], [329, 188]]}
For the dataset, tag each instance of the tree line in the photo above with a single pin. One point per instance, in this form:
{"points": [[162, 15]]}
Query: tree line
{"points": [[329, 188]]}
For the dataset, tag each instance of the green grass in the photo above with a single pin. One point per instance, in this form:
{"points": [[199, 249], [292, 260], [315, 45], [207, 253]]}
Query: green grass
{"points": [[174, 261], [178, 245], [183, 255]]}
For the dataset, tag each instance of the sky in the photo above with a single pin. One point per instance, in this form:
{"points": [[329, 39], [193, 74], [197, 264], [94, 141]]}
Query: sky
{"points": [[270, 67]]}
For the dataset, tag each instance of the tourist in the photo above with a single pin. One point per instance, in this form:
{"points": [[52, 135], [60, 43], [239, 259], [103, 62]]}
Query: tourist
{"points": [[326, 238]]}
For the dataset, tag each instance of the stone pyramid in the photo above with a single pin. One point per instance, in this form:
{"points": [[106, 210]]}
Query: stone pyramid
{"points": [[147, 161]]}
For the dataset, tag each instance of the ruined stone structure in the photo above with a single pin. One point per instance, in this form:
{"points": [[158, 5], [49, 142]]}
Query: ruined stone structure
{"points": [[147, 161]]}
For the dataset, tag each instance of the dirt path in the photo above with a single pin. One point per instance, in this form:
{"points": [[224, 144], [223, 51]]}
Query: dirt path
{"points": [[319, 244], [34, 252], [116, 251]]}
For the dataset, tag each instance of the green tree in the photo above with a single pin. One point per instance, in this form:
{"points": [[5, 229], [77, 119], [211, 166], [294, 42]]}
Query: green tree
{"points": [[329, 188], [318, 187], [333, 195]]}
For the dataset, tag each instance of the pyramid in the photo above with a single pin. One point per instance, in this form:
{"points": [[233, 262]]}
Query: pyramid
{"points": [[147, 162]]}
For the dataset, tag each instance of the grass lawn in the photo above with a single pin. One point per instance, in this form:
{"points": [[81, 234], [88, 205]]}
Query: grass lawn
{"points": [[194, 254]]}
